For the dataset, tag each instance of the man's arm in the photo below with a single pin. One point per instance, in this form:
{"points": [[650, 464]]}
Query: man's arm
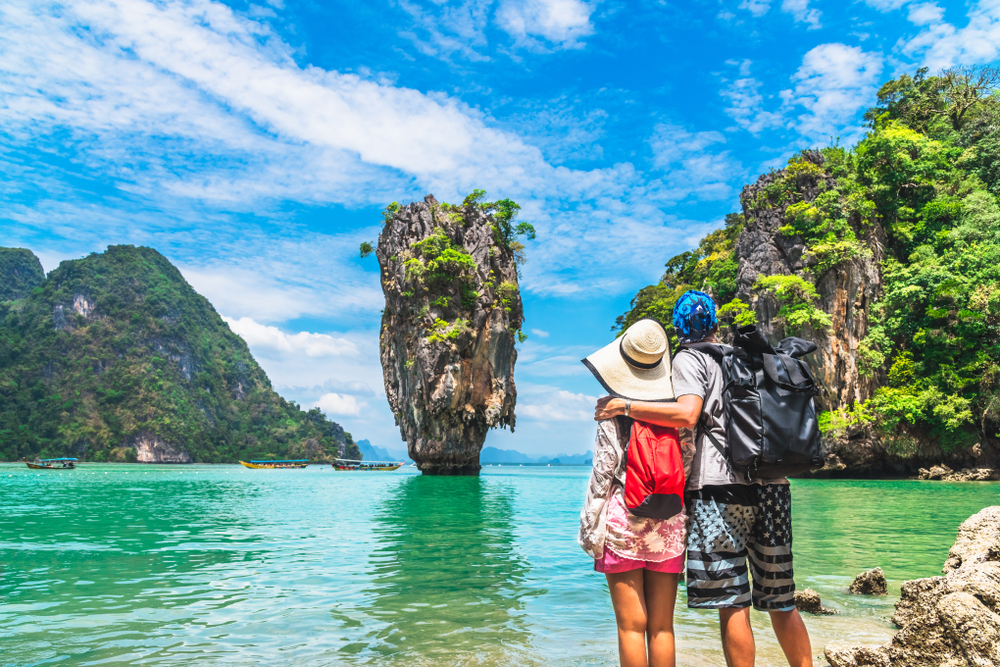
{"points": [[682, 414]]}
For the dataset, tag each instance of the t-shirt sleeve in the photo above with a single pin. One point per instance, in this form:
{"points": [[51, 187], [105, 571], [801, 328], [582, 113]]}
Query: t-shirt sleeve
{"points": [[690, 375]]}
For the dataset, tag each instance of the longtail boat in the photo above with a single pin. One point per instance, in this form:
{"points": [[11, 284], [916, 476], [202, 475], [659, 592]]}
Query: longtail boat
{"points": [[64, 463], [371, 466], [276, 465]]}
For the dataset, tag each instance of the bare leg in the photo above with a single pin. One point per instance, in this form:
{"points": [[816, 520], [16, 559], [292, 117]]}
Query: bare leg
{"points": [[793, 637], [629, 601], [737, 637], [661, 593]]}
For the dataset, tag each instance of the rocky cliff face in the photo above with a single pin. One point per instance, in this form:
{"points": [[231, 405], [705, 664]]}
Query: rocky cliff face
{"points": [[949, 620], [847, 291], [20, 272], [452, 315]]}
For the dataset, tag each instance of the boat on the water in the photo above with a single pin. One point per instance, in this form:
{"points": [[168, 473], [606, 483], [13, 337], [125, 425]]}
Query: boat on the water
{"points": [[276, 465], [64, 463], [371, 466]]}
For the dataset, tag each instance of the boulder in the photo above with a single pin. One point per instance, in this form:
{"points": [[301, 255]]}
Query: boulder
{"points": [[949, 621], [452, 316], [870, 582], [809, 601]]}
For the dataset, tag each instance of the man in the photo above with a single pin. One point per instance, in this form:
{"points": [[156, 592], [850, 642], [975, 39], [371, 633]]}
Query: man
{"points": [[731, 519]]}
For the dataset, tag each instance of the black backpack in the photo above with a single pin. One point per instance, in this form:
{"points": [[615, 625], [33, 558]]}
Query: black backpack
{"points": [[771, 425]]}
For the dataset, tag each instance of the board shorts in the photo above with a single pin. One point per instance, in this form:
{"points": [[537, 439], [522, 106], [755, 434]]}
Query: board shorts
{"points": [[730, 525], [612, 563]]}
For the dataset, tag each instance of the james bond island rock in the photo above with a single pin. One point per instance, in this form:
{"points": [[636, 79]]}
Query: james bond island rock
{"points": [[20, 272], [114, 357], [452, 316], [952, 620]]}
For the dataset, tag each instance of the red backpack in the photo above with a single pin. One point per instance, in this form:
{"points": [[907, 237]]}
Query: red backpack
{"points": [[654, 472]]}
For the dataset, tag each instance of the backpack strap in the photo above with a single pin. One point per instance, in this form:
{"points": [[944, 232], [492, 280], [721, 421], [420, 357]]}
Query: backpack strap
{"points": [[718, 446]]}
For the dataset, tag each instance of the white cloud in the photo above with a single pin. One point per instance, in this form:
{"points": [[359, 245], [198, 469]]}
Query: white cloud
{"points": [[561, 22], [558, 405], [691, 163], [310, 344], [756, 7], [832, 84], [339, 404], [942, 44], [800, 11], [442, 30], [886, 5], [540, 333], [925, 13], [746, 104]]}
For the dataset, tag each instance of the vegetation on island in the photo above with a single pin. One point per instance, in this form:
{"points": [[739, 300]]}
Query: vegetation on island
{"points": [[927, 174], [116, 346], [441, 273]]}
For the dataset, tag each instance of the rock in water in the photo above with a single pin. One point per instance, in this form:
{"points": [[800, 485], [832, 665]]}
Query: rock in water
{"points": [[952, 620], [452, 316], [809, 601], [871, 582]]}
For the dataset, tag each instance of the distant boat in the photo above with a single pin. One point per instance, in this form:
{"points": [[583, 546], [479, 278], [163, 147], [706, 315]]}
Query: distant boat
{"points": [[276, 465], [64, 463], [367, 466]]}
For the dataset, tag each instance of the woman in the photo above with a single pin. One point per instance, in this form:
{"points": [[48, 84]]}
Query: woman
{"points": [[641, 557]]}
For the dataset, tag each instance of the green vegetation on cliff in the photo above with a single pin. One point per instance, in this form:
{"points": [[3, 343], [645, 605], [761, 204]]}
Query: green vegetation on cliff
{"points": [[711, 267], [20, 272], [116, 347], [927, 176]]}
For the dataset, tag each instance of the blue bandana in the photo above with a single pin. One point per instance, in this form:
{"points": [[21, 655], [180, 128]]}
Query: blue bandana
{"points": [[694, 316]]}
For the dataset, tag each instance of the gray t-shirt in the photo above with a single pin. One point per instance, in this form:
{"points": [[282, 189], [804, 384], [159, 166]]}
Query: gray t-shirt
{"points": [[697, 373]]}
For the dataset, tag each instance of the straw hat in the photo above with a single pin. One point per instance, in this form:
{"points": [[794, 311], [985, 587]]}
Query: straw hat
{"points": [[637, 365]]}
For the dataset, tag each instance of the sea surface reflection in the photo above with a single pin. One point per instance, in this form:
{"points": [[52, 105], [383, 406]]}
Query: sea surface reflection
{"points": [[220, 565]]}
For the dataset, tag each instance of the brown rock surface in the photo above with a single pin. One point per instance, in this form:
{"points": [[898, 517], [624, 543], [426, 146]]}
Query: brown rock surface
{"points": [[870, 582], [448, 332], [948, 621], [809, 601]]}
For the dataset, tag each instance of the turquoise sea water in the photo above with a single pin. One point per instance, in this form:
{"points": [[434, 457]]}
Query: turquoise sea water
{"points": [[221, 565]]}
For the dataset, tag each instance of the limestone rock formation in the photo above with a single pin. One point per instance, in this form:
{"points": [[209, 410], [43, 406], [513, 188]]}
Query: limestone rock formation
{"points": [[809, 601], [452, 316], [134, 365], [847, 291], [870, 582], [952, 620], [945, 474]]}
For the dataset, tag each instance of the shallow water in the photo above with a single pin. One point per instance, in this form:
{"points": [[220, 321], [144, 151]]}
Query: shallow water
{"points": [[221, 565]]}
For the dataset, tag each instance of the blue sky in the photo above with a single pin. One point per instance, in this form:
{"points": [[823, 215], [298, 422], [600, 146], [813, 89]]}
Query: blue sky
{"points": [[255, 143]]}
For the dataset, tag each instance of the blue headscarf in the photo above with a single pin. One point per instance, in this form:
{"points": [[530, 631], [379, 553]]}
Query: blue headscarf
{"points": [[694, 316]]}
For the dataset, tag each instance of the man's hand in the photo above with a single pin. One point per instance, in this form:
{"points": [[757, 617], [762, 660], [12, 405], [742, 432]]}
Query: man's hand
{"points": [[608, 407]]}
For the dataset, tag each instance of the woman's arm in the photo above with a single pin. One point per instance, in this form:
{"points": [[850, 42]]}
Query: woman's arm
{"points": [[684, 413]]}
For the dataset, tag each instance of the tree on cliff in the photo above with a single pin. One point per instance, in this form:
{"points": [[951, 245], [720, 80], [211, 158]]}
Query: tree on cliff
{"points": [[117, 348], [916, 203]]}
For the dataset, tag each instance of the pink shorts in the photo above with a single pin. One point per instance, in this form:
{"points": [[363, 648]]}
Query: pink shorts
{"points": [[612, 563]]}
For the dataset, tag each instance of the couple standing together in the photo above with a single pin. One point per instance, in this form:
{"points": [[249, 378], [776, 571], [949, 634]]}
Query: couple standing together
{"points": [[737, 532]]}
